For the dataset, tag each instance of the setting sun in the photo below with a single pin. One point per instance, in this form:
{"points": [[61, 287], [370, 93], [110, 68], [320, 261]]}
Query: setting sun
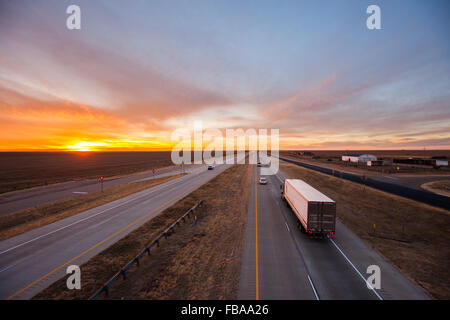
{"points": [[86, 146]]}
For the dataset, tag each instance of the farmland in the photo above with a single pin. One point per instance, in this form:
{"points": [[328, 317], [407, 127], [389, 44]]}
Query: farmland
{"points": [[21, 170]]}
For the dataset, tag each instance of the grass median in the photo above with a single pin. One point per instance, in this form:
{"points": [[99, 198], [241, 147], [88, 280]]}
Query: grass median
{"points": [[423, 257], [199, 261], [441, 187], [25, 220]]}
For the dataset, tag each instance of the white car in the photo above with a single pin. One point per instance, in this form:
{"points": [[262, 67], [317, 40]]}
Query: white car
{"points": [[210, 167], [262, 180]]}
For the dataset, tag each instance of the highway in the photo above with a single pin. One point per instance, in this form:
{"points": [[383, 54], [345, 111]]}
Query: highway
{"points": [[32, 261], [408, 190], [279, 262], [15, 201]]}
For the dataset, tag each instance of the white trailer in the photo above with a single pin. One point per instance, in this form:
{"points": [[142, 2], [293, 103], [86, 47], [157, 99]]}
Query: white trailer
{"points": [[316, 213], [356, 157], [440, 163]]}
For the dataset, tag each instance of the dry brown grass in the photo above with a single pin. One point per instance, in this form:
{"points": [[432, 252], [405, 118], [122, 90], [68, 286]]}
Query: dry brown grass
{"points": [[425, 260], [441, 187], [198, 261], [22, 221]]}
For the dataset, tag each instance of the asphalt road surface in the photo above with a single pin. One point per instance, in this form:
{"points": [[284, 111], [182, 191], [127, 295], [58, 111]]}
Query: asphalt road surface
{"points": [[25, 199], [410, 182], [391, 186], [32, 261], [279, 262]]}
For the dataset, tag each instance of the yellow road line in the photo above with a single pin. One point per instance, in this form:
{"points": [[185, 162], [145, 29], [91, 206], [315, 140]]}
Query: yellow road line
{"points": [[98, 244], [256, 231]]}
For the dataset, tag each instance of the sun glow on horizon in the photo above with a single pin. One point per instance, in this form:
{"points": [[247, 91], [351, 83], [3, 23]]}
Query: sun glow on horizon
{"points": [[86, 146], [118, 145]]}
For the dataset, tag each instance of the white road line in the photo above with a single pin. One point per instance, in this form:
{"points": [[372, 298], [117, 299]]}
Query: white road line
{"points": [[348, 260], [312, 286], [279, 178], [287, 227], [84, 219], [7, 268], [158, 187]]}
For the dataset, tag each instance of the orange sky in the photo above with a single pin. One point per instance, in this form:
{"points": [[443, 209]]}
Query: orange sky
{"points": [[128, 83], [32, 124]]}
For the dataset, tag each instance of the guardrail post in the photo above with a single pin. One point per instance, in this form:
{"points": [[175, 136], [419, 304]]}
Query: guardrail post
{"points": [[166, 233]]}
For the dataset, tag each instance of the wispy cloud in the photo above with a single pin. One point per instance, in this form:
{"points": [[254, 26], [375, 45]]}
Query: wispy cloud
{"points": [[134, 73]]}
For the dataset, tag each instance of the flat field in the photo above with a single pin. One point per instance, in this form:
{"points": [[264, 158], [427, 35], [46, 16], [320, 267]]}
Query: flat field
{"points": [[21, 170]]}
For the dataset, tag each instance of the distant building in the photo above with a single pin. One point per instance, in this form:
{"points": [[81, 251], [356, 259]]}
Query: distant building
{"points": [[422, 162], [439, 163], [439, 158], [374, 163], [356, 157]]}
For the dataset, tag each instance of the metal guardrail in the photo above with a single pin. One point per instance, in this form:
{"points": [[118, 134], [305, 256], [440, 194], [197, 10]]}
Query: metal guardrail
{"points": [[397, 189], [135, 260]]}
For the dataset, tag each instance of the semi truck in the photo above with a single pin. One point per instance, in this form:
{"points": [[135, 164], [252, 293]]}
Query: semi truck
{"points": [[316, 213]]}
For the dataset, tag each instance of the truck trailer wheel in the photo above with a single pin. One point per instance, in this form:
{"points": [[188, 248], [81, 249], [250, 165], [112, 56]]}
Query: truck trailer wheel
{"points": [[302, 229]]}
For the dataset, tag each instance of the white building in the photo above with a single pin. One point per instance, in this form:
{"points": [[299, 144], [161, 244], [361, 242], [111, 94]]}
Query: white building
{"points": [[356, 157], [373, 163], [440, 163]]}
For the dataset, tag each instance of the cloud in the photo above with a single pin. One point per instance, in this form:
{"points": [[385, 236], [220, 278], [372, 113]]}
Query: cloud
{"points": [[98, 85], [77, 69]]}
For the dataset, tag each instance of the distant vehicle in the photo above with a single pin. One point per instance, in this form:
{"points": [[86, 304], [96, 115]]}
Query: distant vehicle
{"points": [[210, 167], [262, 180], [259, 164], [316, 213]]}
